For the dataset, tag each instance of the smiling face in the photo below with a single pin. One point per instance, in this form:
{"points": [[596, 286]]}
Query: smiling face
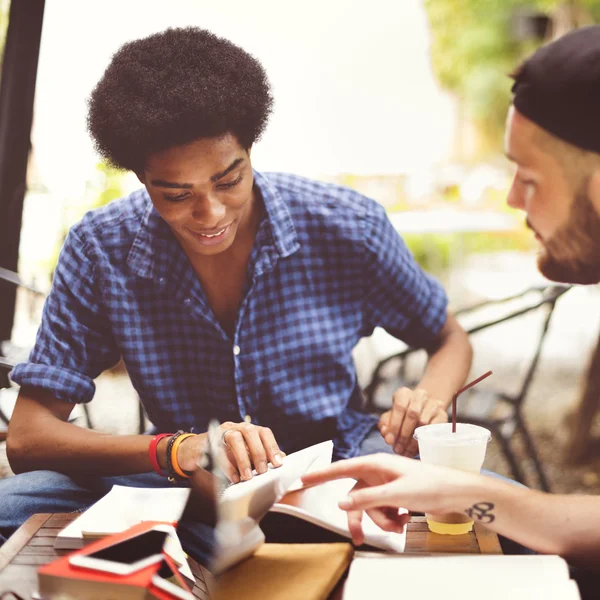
{"points": [[553, 184], [204, 192]]}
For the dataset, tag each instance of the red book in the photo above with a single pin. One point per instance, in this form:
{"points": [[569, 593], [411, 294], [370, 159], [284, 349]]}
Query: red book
{"points": [[127, 565]]}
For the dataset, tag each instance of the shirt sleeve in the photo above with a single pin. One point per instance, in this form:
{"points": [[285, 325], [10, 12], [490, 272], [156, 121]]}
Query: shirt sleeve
{"points": [[400, 297], [74, 343]]}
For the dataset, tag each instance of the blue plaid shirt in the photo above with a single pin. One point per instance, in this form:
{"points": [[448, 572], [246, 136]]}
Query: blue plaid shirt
{"points": [[326, 268]]}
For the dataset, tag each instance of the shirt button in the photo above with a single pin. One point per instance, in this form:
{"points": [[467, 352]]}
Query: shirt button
{"points": [[236, 350], [187, 301], [161, 280]]}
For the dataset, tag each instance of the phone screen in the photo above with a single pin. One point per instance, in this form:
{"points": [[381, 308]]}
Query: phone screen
{"points": [[134, 549]]}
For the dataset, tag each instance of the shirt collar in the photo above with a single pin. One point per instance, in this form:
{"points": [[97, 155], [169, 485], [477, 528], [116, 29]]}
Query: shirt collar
{"points": [[278, 217], [150, 241], [147, 257]]}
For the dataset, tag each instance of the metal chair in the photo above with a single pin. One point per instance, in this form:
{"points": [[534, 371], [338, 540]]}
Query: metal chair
{"points": [[4, 383], [8, 362], [481, 406]]}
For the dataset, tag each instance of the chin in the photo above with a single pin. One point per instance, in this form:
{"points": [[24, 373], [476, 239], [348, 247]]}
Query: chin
{"points": [[568, 271]]}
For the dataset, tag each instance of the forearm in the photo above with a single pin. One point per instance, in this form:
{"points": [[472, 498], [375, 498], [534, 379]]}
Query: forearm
{"points": [[449, 364], [40, 437], [549, 524], [69, 449]]}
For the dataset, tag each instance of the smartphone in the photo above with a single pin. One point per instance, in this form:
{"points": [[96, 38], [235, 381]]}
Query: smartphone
{"points": [[127, 556], [168, 579]]}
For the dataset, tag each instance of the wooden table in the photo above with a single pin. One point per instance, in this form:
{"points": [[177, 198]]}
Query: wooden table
{"points": [[32, 545]]}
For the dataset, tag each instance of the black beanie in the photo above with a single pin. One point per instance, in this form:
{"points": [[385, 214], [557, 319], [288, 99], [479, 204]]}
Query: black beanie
{"points": [[558, 88]]}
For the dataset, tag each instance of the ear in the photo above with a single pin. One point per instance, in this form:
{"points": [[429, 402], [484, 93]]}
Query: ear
{"points": [[594, 190]]}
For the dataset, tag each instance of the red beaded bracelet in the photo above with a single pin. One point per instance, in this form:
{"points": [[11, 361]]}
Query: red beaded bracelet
{"points": [[152, 453]]}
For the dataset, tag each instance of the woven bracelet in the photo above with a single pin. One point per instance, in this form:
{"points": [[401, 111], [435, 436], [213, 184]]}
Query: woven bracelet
{"points": [[172, 474]]}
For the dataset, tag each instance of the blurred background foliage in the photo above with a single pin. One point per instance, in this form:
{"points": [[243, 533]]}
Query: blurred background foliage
{"points": [[475, 44]]}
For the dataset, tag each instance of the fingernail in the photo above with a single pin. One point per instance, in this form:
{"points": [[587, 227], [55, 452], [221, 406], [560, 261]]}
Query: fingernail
{"points": [[262, 467], [247, 474], [345, 503], [389, 438], [277, 460], [235, 478]]}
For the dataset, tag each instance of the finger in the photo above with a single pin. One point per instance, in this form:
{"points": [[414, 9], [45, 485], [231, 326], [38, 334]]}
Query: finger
{"points": [[389, 519], [274, 454], [440, 417], [255, 447], [230, 470], [412, 449], [382, 424], [225, 462], [365, 467], [429, 412], [372, 497], [236, 446], [355, 526], [411, 420], [402, 400]]}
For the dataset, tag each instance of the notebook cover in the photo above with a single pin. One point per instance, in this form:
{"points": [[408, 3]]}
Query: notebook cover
{"points": [[287, 572]]}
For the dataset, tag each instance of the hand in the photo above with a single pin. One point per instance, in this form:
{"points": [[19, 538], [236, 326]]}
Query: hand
{"points": [[388, 518], [246, 446], [410, 409], [385, 483]]}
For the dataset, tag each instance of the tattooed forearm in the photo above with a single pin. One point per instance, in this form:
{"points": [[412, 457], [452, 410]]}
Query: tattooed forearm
{"points": [[481, 511]]}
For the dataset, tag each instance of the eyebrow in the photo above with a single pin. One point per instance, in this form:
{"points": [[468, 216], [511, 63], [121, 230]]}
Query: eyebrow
{"points": [[187, 186]]}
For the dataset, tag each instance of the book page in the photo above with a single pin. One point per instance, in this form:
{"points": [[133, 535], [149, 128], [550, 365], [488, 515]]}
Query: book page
{"points": [[319, 505], [242, 505], [121, 508], [493, 577], [254, 497]]}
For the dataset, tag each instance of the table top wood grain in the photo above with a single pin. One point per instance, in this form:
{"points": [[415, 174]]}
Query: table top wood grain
{"points": [[32, 545]]}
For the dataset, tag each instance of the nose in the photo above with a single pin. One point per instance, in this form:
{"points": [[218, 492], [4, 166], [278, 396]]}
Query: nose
{"points": [[208, 212], [515, 198]]}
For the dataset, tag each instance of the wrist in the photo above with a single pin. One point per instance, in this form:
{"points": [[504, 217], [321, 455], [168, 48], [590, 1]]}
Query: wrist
{"points": [[474, 488], [188, 452], [161, 452]]}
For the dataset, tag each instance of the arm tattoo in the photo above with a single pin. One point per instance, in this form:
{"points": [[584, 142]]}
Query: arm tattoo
{"points": [[482, 512]]}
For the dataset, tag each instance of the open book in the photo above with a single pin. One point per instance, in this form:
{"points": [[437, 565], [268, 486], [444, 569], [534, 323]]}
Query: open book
{"points": [[468, 577], [245, 506]]}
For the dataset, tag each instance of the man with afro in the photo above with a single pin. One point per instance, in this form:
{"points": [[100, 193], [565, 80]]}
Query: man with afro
{"points": [[229, 294]]}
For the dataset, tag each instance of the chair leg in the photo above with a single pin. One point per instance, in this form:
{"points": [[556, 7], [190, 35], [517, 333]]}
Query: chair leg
{"points": [[3, 417], [141, 418], [86, 412], [530, 447], [510, 457]]}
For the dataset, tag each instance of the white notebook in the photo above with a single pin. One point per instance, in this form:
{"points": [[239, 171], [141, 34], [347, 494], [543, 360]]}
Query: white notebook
{"points": [[472, 577], [121, 508]]}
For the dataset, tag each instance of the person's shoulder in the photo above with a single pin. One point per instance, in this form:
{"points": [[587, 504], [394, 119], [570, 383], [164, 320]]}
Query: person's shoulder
{"points": [[115, 225], [331, 202]]}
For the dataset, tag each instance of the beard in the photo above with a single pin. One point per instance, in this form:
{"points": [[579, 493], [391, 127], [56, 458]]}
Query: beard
{"points": [[572, 255]]}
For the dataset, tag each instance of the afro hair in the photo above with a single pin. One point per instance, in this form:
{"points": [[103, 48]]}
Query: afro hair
{"points": [[172, 88]]}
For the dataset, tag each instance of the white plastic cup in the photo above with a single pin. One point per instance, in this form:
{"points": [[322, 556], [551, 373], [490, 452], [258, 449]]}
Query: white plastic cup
{"points": [[465, 450]]}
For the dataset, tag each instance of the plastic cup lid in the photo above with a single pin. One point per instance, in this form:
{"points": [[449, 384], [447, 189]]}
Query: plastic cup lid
{"points": [[466, 433]]}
